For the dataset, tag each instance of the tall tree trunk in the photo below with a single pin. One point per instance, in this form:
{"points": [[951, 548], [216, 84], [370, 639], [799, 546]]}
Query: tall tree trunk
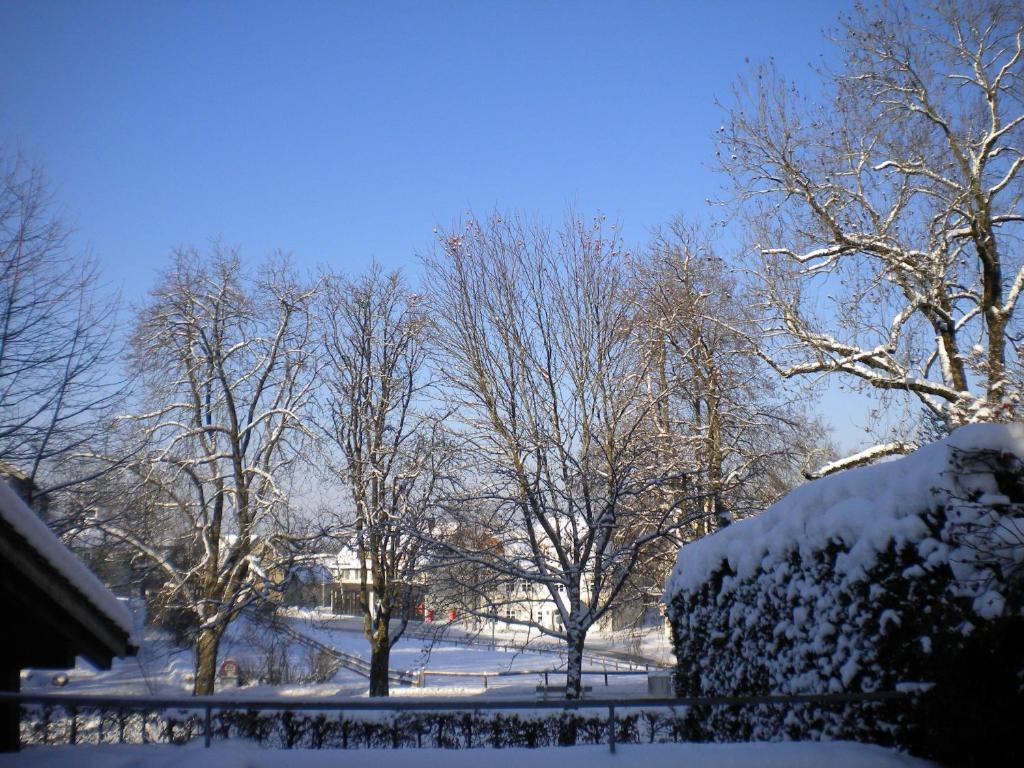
{"points": [[713, 456], [996, 385], [574, 666], [380, 660], [207, 646]]}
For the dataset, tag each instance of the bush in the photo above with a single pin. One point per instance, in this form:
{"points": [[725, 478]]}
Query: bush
{"points": [[942, 608], [447, 730]]}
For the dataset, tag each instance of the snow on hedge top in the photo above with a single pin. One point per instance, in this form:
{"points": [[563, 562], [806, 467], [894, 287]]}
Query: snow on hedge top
{"points": [[866, 508], [25, 522]]}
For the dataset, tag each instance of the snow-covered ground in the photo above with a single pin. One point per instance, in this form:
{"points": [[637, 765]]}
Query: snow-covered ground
{"points": [[643, 643], [162, 668], [773, 755]]}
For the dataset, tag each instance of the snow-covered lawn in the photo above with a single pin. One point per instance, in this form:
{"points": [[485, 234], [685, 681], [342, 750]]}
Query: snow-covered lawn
{"points": [[648, 642], [766, 755], [164, 669]]}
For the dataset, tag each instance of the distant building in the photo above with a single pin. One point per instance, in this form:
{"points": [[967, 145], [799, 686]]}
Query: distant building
{"points": [[310, 585], [332, 580], [348, 588]]}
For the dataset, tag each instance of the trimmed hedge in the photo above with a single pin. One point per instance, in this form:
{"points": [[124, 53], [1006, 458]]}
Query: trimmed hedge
{"points": [[448, 730], [924, 615]]}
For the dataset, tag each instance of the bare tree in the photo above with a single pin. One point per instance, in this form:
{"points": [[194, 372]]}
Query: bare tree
{"points": [[727, 439], [547, 378], [387, 453], [725, 426], [887, 215], [58, 376], [225, 363]]}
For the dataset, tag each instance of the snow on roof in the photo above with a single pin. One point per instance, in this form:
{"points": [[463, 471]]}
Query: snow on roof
{"points": [[347, 557], [867, 508], [27, 523]]}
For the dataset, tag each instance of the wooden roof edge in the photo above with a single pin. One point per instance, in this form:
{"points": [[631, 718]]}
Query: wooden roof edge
{"points": [[105, 638]]}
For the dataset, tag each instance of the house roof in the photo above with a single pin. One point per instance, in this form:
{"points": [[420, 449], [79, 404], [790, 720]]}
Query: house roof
{"points": [[54, 590], [27, 523]]}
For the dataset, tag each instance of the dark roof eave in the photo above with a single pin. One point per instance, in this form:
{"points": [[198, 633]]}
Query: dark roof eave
{"points": [[100, 637]]}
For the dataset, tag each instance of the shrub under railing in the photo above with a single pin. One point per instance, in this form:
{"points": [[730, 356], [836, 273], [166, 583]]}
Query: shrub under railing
{"points": [[456, 724]]}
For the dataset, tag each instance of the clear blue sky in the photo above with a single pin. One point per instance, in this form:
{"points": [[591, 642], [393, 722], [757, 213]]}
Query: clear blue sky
{"points": [[345, 131]]}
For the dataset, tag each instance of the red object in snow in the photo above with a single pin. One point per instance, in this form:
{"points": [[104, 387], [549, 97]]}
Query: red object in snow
{"points": [[430, 615], [451, 615]]}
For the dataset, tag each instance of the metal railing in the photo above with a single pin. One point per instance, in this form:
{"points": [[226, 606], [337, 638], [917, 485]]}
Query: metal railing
{"points": [[539, 673], [205, 706]]}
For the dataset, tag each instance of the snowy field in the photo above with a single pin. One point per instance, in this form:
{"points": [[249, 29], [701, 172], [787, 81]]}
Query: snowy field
{"points": [[163, 668], [774, 755]]}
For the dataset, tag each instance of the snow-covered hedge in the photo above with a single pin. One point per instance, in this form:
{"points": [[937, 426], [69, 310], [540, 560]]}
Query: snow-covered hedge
{"points": [[450, 730], [906, 574]]}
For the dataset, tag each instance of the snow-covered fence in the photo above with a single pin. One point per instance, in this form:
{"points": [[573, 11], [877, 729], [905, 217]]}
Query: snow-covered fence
{"points": [[908, 573], [353, 724]]}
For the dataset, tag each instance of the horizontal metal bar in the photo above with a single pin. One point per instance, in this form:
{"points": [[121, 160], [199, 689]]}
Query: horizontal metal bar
{"points": [[434, 705], [514, 672]]}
